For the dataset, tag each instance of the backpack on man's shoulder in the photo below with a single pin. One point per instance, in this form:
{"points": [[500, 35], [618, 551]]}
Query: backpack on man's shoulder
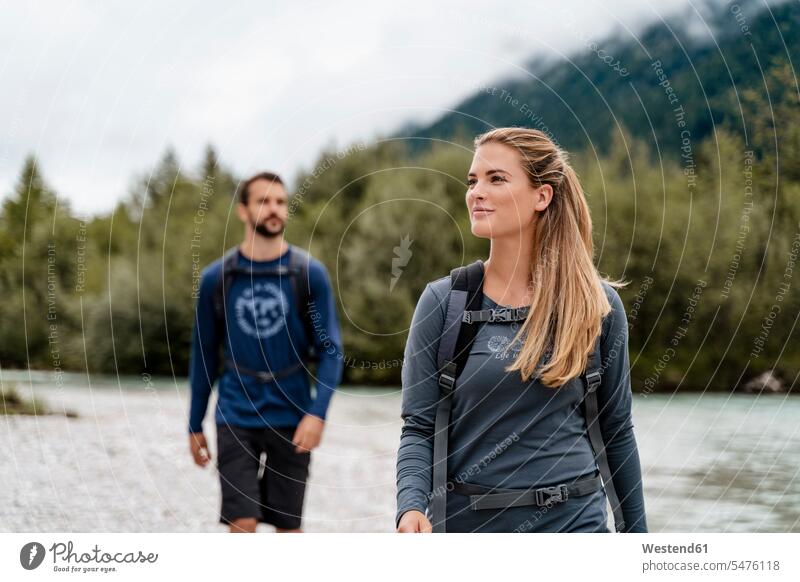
{"points": [[298, 272]]}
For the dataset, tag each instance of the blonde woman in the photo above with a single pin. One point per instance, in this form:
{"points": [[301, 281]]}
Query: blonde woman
{"points": [[516, 387]]}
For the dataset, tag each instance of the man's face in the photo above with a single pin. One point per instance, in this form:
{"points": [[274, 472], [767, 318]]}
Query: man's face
{"points": [[267, 209]]}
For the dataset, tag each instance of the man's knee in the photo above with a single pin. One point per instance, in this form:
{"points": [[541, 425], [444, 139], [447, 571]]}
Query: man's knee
{"points": [[244, 525]]}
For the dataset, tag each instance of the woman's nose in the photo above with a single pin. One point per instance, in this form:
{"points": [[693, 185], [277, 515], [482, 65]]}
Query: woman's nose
{"points": [[476, 193]]}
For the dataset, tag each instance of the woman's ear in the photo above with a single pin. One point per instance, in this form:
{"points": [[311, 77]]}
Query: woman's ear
{"points": [[543, 195]]}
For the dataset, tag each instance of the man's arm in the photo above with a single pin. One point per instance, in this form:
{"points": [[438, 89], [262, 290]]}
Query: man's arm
{"points": [[327, 339], [616, 422], [204, 359]]}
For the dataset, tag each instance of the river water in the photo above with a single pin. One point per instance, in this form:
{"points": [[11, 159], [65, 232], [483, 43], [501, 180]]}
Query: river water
{"points": [[711, 462]]}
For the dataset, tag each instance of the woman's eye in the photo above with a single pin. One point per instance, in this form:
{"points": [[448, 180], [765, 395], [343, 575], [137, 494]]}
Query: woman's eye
{"points": [[498, 179], [471, 182]]}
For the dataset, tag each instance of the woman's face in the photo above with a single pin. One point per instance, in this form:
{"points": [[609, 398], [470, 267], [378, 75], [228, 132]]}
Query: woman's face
{"points": [[500, 199]]}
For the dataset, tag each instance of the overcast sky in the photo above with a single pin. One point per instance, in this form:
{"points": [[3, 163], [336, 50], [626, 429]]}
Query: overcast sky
{"points": [[99, 89]]}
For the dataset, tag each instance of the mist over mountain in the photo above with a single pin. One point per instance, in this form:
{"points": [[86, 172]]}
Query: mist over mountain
{"points": [[700, 60]]}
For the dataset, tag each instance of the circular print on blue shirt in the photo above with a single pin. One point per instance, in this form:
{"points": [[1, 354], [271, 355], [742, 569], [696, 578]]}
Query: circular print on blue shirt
{"points": [[260, 310]]}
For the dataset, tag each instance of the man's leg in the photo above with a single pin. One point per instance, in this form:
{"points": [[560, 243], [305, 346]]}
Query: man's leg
{"points": [[244, 525], [284, 482], [238, 462]]}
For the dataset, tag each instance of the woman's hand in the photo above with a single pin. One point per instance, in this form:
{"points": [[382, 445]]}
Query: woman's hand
{"points": [[413, 521]]}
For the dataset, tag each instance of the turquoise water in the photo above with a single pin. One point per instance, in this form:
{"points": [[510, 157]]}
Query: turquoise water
{"points": [[710, 462], [715, 462]]}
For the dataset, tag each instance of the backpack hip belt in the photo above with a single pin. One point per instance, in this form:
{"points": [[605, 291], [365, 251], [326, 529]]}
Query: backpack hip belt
{"points": [[481, 497], [263, 376]]}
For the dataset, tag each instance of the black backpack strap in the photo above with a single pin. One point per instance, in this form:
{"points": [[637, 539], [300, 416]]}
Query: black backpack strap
{"points": [[263, 376], [466, 293], [591, 380], [230, 264], [299, 261]]}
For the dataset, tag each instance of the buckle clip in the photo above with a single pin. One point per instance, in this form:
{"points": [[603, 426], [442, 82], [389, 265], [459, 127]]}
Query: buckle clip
{"points": [[556, 494], [592, 380], [467, 317], [503, 314], [446, 382]]}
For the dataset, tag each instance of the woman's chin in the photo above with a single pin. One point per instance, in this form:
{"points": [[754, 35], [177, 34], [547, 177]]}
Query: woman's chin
{"points": [[481, 230]]}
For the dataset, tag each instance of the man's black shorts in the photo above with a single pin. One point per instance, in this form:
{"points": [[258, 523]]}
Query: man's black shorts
{"points": [[277, 497]]}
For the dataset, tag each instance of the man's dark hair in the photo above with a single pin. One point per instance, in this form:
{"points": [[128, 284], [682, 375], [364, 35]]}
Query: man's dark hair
{"points": [[245, 187]]}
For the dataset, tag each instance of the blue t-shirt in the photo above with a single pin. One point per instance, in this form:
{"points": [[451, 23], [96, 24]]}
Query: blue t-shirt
{"points": [[263, 331]]}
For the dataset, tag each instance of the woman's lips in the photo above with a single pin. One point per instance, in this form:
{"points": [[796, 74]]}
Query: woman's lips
{"points": [[481, 212]]}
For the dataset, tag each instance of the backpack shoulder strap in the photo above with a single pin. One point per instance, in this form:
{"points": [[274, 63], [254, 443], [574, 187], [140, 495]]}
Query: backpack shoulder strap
{"points": [[466, 293], [591, 381], [299, 260], [230, 262]]}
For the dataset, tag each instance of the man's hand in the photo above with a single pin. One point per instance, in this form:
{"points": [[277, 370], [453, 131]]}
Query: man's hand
{"points": [[199, 448], [308, 433], [413, 521]]}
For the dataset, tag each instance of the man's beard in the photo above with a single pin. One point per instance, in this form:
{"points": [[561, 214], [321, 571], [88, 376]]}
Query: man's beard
{"points": [[262, 229]]}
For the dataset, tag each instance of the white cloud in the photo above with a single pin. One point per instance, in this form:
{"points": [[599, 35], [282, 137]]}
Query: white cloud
{"points": [[99, 89]]}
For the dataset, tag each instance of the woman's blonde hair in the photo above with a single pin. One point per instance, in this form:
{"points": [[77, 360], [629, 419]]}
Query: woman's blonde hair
{"points": [[568, 302]]}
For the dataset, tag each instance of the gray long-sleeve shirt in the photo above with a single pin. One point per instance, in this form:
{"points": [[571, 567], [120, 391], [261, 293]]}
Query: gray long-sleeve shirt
{"points": [[506, 433]]}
